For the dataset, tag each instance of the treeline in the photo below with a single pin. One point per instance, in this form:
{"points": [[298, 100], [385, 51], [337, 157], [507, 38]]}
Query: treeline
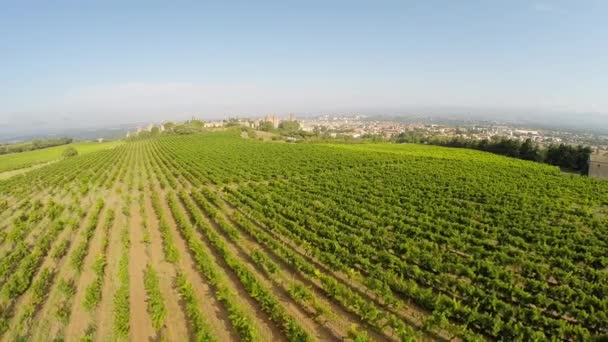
{"points": [[34, 145], [568, 157]]}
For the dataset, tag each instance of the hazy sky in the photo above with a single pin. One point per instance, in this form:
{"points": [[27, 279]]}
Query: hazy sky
{"points": [[122, 61]]}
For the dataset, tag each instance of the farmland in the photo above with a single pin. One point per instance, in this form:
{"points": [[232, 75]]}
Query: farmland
{"points": [[212, 237], [21, 160]]}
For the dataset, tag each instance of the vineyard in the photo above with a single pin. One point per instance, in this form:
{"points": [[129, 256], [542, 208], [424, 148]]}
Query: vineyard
{"points": [[214, 237], [15, 163]]}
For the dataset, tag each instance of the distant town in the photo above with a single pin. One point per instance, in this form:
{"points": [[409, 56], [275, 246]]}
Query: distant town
{"points": [[358, 126]]}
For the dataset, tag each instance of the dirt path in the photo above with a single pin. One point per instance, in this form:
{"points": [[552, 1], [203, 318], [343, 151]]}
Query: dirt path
{"points": [[33, 229], [175, 322], [47, 326], [341, 320], [141, 326], [7, 246], [338, 321], [410, 314], [8, 174], [48, 263], [77, 327], [104, 316], [7, 216], [269, 331], [319, 331], [215, 315]]}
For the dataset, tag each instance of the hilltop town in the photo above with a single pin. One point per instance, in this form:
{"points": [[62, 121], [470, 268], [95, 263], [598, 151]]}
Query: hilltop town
{"points": [[359, 126]]}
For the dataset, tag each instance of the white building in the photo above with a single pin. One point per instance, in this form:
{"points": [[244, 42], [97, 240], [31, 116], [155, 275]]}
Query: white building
{"points": [[213, 124]]}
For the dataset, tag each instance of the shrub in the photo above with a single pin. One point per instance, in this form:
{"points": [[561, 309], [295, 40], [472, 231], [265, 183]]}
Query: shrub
{"points": [[69, 152]]}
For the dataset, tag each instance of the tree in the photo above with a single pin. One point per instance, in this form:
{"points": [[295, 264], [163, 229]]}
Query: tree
{"points": [[289, 125], [529, 151], [196, 123], [266, 126], [155, 130], [569, 157], [169, 125], [69, 152], [184, 129]]}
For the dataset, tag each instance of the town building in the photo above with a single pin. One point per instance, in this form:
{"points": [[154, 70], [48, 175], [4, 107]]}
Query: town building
{"points": [[272, 118], [598, 165], [213, 124]]}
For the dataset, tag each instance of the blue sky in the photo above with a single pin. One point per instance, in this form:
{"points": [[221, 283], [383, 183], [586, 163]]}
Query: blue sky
{"points": [[121, 61]]}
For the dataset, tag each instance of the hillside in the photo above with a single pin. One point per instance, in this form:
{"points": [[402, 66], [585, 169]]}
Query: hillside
{"points": [[214, 237], [15, 161]]}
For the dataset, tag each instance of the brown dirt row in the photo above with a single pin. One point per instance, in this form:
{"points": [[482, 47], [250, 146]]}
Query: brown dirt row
{"points": [[44, 325], [300, 314], [296, 310], [7, 246], [32, 196], [412, 315], [267, 330], [317, 330], [339, 320], [7, 216], [104, 315], [50, 325], [49, 263], [175, 322], [316, 287], [47, 326], [215, 315], [32, 235], [78, 323], [141, 325]]}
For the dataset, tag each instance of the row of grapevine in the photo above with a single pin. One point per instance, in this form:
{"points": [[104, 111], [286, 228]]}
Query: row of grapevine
{"points": [[121, 297], [363, 242], [367, 311], [258, 292], [93, 291], [77, 258], [295, 289], [239, 319], [433, 229]]}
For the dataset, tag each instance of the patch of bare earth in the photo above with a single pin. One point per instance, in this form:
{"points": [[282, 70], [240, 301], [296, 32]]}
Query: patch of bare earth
{"points": [[175, 322], [321, 332], [141, 326], [104, 316], [338, 321], [410, 313], [48, 326], [216, 317], [80, 318], [48, 263], [268, 330]]}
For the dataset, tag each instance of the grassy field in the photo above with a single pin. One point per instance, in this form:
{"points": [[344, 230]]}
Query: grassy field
{"points": [[212, 237], [15, 161]]}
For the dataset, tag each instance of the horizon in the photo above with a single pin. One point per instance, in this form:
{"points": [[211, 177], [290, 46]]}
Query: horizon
{"points": [[93, 132], [72, 65]]}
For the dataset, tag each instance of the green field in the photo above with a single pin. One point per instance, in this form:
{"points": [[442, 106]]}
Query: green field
{"points": [[14, 161], [212, 237]]}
